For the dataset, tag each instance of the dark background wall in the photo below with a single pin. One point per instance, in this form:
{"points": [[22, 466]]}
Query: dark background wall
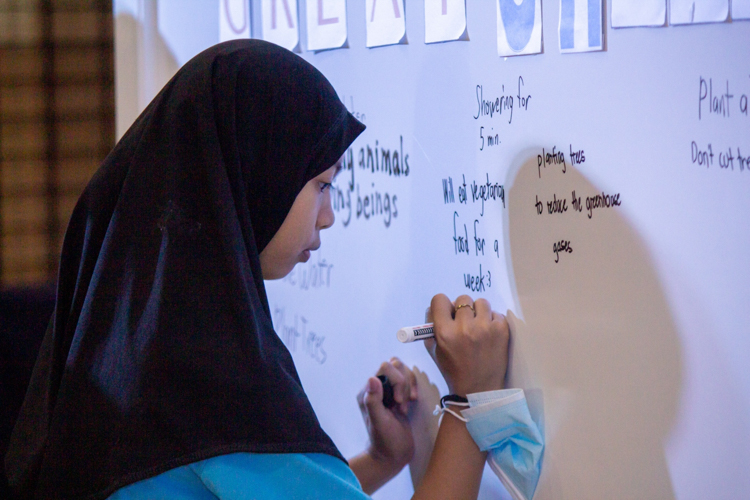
{"points": [[56, 125]]}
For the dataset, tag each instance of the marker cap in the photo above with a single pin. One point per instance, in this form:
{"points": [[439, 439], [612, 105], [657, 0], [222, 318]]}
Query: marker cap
{"points": [[403, 335], [412, 333]]}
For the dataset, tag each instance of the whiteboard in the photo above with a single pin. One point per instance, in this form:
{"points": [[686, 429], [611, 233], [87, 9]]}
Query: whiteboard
{"points": [[629, 308]]}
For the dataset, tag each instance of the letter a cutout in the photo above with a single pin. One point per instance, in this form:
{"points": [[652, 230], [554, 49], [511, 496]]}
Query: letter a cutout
{"points": [[385, 22], [519, 27], [445, 20]]}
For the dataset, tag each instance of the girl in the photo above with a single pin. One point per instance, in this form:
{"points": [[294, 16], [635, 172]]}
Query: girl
{"points": [[160, 375]]}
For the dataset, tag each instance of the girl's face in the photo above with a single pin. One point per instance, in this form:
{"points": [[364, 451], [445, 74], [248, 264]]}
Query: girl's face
{"points": [[300, 232]]}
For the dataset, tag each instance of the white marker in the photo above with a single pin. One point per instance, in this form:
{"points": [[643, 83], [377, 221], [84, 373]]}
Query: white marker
{"points": [[412, 333]]}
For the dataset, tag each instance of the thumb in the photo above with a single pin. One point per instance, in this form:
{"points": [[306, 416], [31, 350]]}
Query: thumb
{"points": [[373, 401], [430, 344]]}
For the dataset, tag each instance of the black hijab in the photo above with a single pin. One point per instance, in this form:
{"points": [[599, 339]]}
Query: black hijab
{"points": [[161, 350]]}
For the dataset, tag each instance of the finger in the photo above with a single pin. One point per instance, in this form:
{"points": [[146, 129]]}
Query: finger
{"points": [[514, 322], [414, 393], [482, 310], [408, 377], [496, 316], [395, 377], [501, 323], [441, 309], [403, 389], [397, 380], [372, 386], [464, 308], [401, 367], [361, 398], [409, 388], [430, 344], [373, 402]]}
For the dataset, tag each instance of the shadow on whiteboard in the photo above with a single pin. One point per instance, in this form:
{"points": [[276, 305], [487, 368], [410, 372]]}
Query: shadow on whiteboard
{"points": [[144, 62], [593, 342]]}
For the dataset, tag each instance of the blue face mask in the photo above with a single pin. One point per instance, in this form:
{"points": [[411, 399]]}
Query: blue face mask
{"points": [[500, 423]]}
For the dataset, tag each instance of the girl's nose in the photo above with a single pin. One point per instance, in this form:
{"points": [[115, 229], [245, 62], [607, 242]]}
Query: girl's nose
{"points": [[326, 216]]}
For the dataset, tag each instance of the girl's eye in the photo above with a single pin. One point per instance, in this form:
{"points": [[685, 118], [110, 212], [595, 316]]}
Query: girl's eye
{"points": [[324, 186]]}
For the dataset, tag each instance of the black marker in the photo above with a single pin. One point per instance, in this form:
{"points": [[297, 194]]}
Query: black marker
{"points": [[388, 400]]}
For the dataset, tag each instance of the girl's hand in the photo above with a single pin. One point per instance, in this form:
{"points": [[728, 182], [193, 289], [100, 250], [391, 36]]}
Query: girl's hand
{"points": [[391, 442], [470, 345]]}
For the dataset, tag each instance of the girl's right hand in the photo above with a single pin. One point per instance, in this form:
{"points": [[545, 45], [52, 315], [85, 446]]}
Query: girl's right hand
{"points": [[471, 344]]}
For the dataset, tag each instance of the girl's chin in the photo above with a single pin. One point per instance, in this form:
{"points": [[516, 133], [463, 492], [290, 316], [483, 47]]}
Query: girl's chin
{"points": [[304, 256]]}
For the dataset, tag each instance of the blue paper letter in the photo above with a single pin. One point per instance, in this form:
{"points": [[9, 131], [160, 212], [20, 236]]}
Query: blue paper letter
{"points": [[518, 21]]}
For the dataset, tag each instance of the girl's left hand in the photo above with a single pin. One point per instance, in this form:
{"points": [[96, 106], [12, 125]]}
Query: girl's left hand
{"points": [[391, 442]]}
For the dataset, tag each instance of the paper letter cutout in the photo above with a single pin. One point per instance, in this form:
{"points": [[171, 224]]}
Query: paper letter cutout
{"points": [[234, 19], [519, 27], [740, 9], [628, 13], [580, 25], [444, 20], [567, 24], [326, 24], [322, 20], [279, 23], [698, 11], [385, 22]]}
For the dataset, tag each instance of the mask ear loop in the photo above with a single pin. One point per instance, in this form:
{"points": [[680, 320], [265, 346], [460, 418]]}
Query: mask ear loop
{"points": [[450, 400]]}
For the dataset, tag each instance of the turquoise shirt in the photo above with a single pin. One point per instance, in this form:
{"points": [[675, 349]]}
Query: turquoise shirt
{"points": [[499, 421], [254, 476]]}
